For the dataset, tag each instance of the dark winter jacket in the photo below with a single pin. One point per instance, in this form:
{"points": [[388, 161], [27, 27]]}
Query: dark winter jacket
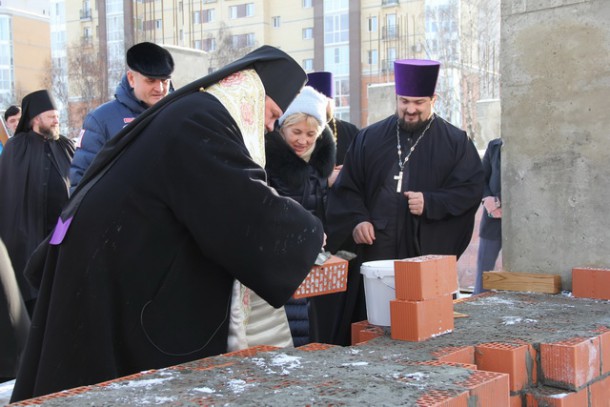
{"points": [[491, 228], [290, 175], [306, 183], [101, 124]]}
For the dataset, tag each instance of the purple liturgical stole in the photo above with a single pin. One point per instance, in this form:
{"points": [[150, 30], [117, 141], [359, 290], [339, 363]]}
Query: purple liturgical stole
{"points": [[60, 231]]}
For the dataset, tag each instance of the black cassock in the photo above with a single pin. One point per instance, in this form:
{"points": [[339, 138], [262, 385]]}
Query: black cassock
{"points": [[170, 213], [33, 189], [445, 166]]}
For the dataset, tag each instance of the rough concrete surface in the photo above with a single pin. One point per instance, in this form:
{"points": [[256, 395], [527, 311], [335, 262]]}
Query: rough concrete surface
{"points": [[555, 83], [381, 372]]}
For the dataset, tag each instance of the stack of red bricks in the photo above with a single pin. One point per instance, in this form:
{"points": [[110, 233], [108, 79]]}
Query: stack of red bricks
{"points": [[423, 307], [572, 372]]}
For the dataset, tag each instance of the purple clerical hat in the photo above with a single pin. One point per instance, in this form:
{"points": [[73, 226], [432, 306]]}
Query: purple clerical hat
{"points": [[322, 82], [415, 77]]}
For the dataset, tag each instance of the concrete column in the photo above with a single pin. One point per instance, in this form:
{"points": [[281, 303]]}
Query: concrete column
{"points": [[555, 66]]}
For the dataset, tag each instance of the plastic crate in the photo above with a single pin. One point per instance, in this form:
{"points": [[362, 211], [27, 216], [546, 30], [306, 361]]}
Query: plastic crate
{"points": [[330, 277]]}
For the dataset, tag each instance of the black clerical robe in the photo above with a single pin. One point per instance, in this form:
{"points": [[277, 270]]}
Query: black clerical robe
{"points": [[33, 188], [445, 166], [144, 274], [344, 133]]}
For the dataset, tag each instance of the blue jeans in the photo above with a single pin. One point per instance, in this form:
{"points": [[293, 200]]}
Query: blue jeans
{"points": [[486, 260]]}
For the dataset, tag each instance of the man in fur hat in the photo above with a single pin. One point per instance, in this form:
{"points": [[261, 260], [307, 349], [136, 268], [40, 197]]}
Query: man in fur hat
{"points": [[33, 183], [410, 185], [147, 81]]}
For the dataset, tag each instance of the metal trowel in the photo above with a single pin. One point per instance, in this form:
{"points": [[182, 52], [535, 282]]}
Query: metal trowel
{"points": [[322, 257]]}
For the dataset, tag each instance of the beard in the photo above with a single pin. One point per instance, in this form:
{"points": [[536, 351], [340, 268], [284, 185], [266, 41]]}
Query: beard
{"points": [[412, 126], [50, 132]]}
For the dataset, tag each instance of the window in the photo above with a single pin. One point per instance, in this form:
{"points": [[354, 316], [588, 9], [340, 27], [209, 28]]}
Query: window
{"points": [[275, 21], [308, 64], [243, 40], [152, 24], [336, 28], [197, 44], [209, 44], [242, 10], [307, 33], [372, 26], [196, 17], [391, 30], [307, 3], [209, 15], [373, 57]]}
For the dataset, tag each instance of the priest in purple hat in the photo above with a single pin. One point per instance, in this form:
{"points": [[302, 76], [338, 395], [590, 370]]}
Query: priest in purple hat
{"points": [[410, 185]]}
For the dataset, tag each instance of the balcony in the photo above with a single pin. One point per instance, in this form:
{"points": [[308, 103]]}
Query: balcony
{"points": [[85, 14], [389, 32], [387, 66]]}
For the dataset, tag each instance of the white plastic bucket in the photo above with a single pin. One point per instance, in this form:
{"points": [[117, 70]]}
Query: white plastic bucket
{"points": [[379, 290]]}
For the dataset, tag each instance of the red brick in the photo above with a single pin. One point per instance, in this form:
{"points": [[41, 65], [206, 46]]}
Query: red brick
{"points": [[330, 277], [591, 283], [600, 393], [443, 398], [517, 400], [570, 364], [370, 333], [356, 328], [458, 354], [518, 361], [604, 344], [552, 397], [252, 351], [425, 277], [487, 389], [315, 347], [363, 331], [420, 320]]}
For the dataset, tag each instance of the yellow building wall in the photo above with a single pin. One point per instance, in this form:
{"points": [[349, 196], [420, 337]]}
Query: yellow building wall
{"points": [[31, 53]]}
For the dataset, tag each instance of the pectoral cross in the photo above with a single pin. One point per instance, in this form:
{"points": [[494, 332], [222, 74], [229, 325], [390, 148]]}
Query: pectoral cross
{"points": [[398, 179]]}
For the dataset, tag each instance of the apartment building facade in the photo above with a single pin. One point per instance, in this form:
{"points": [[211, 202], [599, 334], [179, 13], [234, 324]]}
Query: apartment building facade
{"points": [[357, 40], [25, 48]]}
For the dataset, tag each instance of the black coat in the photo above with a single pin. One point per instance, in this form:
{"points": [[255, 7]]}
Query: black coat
{"points": [[144, 274], [345, 134], [291, 176], [33, 188], [491, 228], [445, 166], [14, 319], [306, 183]]}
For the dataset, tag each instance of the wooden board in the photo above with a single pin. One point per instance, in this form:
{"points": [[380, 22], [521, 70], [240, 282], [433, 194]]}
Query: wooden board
{"points": [[3, 132], [528, 282]]}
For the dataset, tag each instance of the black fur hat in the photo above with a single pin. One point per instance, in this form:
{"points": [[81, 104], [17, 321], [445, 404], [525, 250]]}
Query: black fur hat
{"points": [[32, 105], [150, 60]]}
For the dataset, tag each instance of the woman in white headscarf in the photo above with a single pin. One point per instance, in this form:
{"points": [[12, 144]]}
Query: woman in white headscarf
{"points": [[300, 159]]}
